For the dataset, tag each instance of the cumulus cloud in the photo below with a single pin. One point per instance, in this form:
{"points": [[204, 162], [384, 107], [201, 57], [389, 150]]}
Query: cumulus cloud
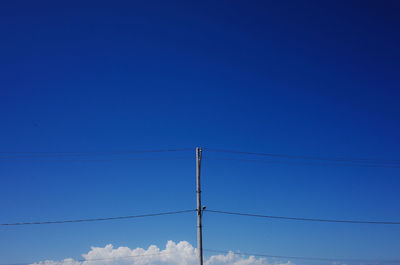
{"points": [[235, 259], [182, 253]]}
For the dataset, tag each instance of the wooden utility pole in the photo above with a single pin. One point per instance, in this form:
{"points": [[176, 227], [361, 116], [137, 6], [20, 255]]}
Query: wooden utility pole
{"points": [[199, 207]]}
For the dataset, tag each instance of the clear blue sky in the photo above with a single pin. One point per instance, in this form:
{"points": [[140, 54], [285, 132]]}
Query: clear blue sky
{"points": [[292, 77]]}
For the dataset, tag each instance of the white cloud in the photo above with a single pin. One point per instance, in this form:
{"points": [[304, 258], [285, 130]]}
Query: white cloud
{"points": [[182, 253], [235, 259]]}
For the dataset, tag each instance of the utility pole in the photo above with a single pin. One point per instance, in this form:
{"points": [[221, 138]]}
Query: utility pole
{"points": [[199, 207]]}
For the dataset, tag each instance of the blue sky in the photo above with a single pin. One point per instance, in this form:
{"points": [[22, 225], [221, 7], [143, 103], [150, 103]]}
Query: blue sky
{"points": [[291, 77]]}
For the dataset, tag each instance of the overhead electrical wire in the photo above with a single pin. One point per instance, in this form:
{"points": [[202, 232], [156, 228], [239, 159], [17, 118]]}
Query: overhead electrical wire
{"points": [[270, 161], [364, 162], [304, 219], [305, 157], [305, 258], [60, 156], [99, 259], [18, 155], [9, 155], [102, 152], [34, 159], [206, 210], [235, 253], [96, 219]]}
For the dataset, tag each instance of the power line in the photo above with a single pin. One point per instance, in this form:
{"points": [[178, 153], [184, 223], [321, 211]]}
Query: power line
{"points": [[92, 153], [236, 253], [332, 159], [305, 219], [97, 219], [303, 163], [304, 258], [86, 156], [34, 159], [98, 259]]}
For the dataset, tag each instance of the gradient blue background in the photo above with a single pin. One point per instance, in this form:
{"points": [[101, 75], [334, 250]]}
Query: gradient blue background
{"points": [[297, 77]]}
